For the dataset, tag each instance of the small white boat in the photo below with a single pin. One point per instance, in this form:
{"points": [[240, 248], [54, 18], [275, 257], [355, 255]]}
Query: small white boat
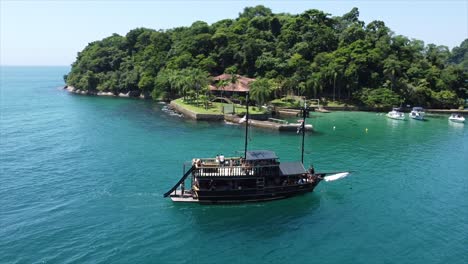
{"points": [[457, 118], [417, 113], [396, 114]]}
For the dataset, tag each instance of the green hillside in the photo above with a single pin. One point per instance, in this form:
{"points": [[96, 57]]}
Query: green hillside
{"points": [[313, 54]]}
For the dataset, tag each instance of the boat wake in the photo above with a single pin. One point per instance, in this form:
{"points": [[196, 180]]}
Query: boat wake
{"points": [[336, 176]]}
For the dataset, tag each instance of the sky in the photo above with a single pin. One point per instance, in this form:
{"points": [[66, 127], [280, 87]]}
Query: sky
{"points": [[52, 32]]}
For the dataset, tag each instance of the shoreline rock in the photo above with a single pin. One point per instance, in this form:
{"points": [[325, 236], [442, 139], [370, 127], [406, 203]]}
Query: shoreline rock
{"points": [[105, 94], [129, 94]]}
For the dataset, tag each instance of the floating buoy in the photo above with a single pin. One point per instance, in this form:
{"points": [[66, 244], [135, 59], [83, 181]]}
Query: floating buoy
{"points": [[334, 127], [367, 129]]}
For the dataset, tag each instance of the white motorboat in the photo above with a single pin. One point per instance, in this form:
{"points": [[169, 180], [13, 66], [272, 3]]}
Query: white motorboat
{"points": [[457, 118], [417, 113], [396, 114]]}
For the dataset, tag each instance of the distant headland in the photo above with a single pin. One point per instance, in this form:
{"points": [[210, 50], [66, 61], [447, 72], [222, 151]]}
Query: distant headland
{"points": [[338, 59]]}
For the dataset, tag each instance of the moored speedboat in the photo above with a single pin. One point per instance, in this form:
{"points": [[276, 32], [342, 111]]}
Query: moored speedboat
{"points": [[396, 114], [257, 176], [417, 113], [457, 118]]}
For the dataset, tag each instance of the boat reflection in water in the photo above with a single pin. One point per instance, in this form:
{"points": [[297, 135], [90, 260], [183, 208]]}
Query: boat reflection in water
{"points": [[257, 176]]}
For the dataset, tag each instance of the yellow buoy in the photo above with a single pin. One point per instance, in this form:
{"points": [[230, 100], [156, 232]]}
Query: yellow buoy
{"points": [[367, 129]]}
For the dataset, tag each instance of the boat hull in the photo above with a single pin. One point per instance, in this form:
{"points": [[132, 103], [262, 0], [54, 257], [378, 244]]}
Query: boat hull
{"points": [[396, 117], [417, 117], [246, 196], [240, 196], [457, 120]]}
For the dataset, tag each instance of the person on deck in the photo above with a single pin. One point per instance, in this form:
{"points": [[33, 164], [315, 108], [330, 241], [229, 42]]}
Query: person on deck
{"points": [[311, 169]]}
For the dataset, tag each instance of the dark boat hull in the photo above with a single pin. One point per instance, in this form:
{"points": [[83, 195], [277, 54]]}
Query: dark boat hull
{"points": [[244, 196]]}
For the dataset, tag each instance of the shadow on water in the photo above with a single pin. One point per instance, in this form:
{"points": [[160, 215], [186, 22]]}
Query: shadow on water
{"points": [[417, 120], [437, 116], [282, 215]]}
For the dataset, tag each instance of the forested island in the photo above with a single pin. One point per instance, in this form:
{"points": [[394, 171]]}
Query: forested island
{"points": [[312, 54]]}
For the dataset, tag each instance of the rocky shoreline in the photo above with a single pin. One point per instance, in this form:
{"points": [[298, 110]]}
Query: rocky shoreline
{"points": [[130, 94], [214, 117]]}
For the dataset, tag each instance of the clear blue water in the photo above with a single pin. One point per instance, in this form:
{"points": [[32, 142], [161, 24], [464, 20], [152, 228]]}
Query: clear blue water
{"points": [[82, 178]]}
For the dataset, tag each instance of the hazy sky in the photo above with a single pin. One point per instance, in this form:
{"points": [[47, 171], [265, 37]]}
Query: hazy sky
{"points": [[52, 32]]}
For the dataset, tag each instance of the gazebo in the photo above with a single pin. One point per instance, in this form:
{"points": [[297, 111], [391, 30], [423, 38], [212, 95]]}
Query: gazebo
{"points": [[233, 84]]}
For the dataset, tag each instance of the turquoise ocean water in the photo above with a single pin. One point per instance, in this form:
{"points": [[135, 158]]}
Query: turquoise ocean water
{"points": [[82, 178]]}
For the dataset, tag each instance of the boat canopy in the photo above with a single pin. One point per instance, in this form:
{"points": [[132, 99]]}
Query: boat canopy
{"points": [[418, 108], [398, 109], [292, 168], [260, 155]]}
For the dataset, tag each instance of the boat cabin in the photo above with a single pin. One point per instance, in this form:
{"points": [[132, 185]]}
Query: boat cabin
{"points": [[260, 169]]}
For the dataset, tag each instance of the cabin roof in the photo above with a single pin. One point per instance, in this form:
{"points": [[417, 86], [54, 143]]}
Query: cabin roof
{"points": [[241, 84], [292, 168], [260, 155]]}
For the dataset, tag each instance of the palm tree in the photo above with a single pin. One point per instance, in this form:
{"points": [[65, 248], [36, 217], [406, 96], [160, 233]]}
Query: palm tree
{"points": [[315, 83], [179, 82], [278, 86], [172, 77], [260, 90], [233, 78], [198, 79], [222, 84], [392, 67]]}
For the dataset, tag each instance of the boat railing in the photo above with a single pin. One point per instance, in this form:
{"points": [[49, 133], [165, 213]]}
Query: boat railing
{"points": [[220, 170]]}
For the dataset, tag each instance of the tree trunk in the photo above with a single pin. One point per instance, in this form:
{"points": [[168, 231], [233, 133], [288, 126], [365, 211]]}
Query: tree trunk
{"points": [[334, 87]]}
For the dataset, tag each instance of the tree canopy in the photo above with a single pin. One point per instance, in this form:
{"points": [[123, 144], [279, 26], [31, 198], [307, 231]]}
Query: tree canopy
{"points": [[311, 54]]}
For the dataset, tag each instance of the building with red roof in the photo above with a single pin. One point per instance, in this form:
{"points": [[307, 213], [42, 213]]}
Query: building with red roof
{"points": [[233, 84]]}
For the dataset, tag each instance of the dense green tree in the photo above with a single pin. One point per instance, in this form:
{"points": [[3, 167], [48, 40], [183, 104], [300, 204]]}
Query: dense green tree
{"points": [[197, 80], [261, 90], [381, 97], [460, 55], [312, 54]]}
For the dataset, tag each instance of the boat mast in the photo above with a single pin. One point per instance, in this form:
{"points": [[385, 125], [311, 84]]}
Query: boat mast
{"points": [[304, 113], [246, 125]]}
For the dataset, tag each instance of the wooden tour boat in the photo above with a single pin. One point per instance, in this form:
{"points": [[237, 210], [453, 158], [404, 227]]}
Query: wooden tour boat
{"points": [[257, 176]]}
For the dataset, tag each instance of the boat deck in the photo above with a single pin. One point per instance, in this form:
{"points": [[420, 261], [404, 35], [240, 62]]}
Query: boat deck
{"points": [[186, 198]]}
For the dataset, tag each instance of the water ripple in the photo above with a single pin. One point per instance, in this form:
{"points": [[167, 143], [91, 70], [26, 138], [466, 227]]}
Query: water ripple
{"points": [[81, 181]]}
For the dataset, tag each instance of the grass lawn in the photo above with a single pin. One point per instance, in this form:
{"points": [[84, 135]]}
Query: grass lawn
{"points": [[215, 108], [338, 103]]}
